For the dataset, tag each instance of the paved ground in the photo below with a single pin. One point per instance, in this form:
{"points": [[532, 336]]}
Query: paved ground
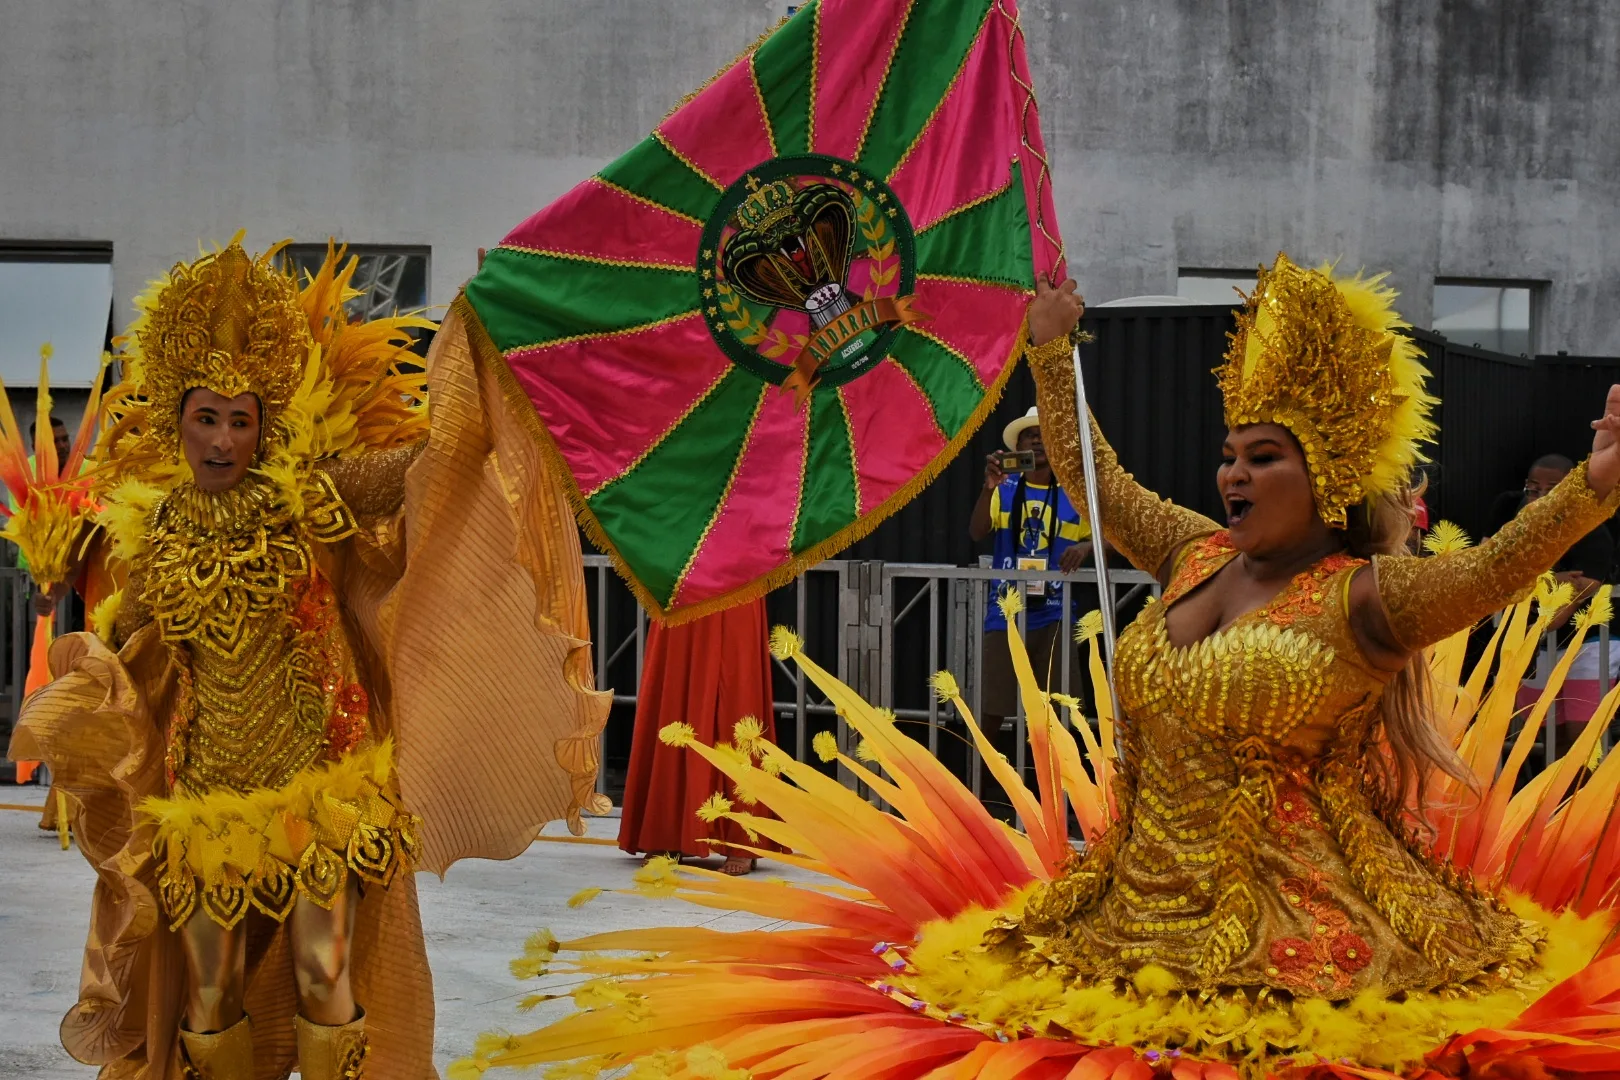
{"points": [[475, 921]]}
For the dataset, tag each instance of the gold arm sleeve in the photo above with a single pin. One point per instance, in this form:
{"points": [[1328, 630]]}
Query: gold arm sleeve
{"points": [[1146, 529], [372, 484], [1428, 600], [133, 613]]}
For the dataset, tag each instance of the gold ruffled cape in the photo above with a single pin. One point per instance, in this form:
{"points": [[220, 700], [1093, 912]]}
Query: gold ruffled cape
{"points": [[468, 612], [883, 972]]}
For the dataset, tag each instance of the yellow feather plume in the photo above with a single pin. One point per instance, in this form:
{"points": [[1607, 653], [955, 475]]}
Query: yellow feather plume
{"points": [[785, 644], [1446, 537], [104, 616], [677, 735], [714, 808]]}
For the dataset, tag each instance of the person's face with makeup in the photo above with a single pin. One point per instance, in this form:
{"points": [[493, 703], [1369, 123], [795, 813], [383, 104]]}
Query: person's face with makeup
{"points": [[1266, 490], [220, 435]]}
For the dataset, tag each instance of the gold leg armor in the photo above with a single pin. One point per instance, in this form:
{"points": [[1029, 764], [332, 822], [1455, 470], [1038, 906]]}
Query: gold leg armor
{"points": [[332, 1053], [223, 1055]]}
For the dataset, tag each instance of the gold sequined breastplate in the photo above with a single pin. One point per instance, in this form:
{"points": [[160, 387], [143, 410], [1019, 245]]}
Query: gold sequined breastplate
{"points": [[266, 677], [1287, 666], [1248, 852]]}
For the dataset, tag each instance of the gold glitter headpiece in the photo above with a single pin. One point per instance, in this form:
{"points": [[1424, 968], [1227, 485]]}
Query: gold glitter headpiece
{"points": [[1323, 357], [228, 323]]}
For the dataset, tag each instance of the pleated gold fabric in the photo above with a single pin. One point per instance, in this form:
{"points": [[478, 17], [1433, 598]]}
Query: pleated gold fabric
{"points": [[467, 614]]}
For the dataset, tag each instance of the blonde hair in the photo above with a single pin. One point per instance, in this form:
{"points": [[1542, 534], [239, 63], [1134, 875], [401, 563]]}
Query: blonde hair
{"points": [[1382, 526]]}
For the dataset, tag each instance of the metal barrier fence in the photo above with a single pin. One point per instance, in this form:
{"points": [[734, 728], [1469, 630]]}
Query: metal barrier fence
{"points": [[884, 628]]}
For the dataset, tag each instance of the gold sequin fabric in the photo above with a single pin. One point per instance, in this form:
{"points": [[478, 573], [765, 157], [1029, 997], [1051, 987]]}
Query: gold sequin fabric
{"points": [[1157, 527], [1251, 855], [231, 580], [1429, 599]]}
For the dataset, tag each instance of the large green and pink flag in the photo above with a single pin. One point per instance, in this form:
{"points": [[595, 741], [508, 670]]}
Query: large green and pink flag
{"points": [[768, 325]]}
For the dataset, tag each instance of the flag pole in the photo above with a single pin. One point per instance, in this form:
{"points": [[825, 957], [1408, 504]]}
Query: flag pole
{"points": [[1099, 557]]}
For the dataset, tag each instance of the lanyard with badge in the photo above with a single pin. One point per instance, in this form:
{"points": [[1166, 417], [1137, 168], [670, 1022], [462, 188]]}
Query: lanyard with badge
{"points": [[1030, 535]]}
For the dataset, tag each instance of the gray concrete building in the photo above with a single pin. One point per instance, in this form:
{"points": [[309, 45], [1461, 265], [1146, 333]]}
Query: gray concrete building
{"points": [[1466, 142]]}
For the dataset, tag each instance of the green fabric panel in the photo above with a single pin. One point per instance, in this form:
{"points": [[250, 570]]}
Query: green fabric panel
{"points": [[952, 388], [783, 68], [827, 502], [650, 170], [989, 242], [931, 49], [526, 299], [658, 511]]}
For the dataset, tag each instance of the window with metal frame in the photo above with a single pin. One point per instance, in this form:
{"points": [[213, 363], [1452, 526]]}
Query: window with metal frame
{"points": [[1496, 315], [60, 292], [1215, 286]]}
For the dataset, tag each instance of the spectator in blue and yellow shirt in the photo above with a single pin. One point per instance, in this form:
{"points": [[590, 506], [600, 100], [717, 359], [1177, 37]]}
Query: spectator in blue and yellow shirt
{"points": [[1028, 518]]}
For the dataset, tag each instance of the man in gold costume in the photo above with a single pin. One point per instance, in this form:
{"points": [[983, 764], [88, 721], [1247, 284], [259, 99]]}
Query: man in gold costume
{"points": [[284, 670]]}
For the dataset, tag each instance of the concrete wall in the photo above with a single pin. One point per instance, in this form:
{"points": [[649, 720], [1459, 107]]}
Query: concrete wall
{"points": [[1476, 138]]}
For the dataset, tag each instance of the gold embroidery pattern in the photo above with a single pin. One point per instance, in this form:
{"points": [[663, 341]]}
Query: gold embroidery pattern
{"points": [[222, 576], [1334, 952], [1203, 558], [1427, 904]]}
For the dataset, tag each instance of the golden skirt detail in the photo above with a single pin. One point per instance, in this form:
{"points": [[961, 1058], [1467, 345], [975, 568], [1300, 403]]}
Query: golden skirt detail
{"points": [[227, 852]]}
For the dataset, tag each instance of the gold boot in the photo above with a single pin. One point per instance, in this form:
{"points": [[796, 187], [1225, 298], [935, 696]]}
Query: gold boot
{"points": [[331, 1053], [223, 1055]]}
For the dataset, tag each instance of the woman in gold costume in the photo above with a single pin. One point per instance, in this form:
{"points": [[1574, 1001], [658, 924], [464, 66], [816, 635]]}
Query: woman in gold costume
{"points": [[1284, 872], [228, 737]]}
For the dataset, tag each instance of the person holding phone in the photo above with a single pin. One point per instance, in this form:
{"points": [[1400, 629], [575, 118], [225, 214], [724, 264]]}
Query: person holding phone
{"points": [[1032, 525]]}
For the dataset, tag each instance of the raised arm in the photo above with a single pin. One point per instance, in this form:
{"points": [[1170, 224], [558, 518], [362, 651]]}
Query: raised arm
{"points": [[372, 484], [1144, 528], [1428, 600]]}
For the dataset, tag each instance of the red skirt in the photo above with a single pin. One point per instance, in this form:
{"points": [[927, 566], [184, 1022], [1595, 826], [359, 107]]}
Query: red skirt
{"points": [[708, 673]]}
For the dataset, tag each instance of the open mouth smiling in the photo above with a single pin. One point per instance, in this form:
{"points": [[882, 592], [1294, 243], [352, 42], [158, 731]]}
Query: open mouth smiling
{"points": [[1237, 508]]}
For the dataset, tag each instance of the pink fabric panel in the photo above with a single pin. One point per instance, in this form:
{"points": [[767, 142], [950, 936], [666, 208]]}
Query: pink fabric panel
{"points": [[856, 40], [978, 321], [753, 531], [607, 400], [597, 220], [894, 429], [967, 151], [723, 131]]}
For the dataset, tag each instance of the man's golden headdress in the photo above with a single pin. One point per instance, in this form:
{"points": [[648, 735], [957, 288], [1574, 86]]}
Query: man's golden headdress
{"points": [[236, 324], [1324, 357], [227, 323]]}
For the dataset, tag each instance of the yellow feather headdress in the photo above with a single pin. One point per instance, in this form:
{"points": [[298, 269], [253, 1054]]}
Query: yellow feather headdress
{"points": [[238, 324], [1324, 357]]}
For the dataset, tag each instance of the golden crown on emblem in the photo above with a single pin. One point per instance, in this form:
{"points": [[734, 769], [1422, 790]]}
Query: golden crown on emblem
{"points": [[765, 206]]}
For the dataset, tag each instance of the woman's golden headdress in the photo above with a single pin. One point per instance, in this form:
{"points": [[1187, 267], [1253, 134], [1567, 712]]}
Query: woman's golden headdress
{"points": [[1325, 358]]}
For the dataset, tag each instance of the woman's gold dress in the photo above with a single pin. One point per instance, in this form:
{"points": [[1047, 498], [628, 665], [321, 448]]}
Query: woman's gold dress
{"points": [[1253, 849]]}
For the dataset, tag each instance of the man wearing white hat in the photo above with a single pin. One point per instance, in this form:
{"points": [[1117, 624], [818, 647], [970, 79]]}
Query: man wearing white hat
{"points": [[1032, 524]]}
